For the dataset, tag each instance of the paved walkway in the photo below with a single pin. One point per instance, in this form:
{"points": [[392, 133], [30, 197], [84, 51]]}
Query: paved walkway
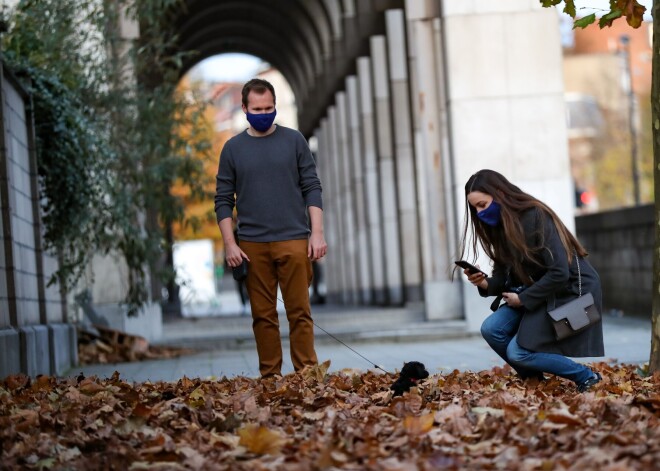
{"points": [[441, 346]]}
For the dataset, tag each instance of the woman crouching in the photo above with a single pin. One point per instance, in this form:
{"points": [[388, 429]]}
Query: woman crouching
{"points": [[537, 263]]}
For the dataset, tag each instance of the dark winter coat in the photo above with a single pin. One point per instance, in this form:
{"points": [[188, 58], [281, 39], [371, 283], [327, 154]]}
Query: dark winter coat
{"points": [[554, 284]]}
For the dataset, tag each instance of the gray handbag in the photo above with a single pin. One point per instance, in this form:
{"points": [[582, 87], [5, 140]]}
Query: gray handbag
{"points": [[577, 315]]}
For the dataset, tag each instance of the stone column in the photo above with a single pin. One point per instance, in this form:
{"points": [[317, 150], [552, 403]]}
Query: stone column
{"points": [[357, 169], [435, 209], [388, 186], [340, 268], [371, 181], [404, 155], [346, 200], [323, 165]]}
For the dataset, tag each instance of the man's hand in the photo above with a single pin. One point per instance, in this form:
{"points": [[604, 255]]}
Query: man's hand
{"points": [[234, 255], [316, 248]]}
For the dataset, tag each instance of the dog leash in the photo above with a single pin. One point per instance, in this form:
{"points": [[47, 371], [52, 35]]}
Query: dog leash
{"points": [[351, 349]]}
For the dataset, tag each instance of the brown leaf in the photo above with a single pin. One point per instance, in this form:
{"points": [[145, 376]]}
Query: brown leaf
{"points": [[42, 383], [316, 372], [418, 425], [16, 381], [25, 419], [562, 415], [197, 397], [633, 11], [89, 386], [261, 440], [140, 410]]}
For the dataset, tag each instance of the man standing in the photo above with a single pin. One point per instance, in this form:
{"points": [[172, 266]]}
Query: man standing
{"points": [[269, 173]]}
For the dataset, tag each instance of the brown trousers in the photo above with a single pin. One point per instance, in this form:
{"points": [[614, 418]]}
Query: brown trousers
{"points": [[285, 263]]}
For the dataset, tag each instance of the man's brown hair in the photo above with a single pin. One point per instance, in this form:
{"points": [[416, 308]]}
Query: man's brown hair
{"points": [[258, 86]]}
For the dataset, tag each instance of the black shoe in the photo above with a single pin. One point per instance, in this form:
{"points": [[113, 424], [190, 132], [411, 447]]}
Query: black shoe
{"points": [[586, 385]]}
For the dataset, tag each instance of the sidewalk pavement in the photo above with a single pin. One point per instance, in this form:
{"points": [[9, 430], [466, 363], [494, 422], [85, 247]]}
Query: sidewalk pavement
{"points": [[383, 336]]}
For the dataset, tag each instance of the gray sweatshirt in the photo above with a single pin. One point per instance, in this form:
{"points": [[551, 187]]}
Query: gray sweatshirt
{"points": [[274, 180]]}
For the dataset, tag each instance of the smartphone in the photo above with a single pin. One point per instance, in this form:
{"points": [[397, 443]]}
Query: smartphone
{"points": [[468, 266]]}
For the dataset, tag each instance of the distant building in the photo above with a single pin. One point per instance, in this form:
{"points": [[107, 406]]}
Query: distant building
{"points": [[226, 100], [595, 81]]}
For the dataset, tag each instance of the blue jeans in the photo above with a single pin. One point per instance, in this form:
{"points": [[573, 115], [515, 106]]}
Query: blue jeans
{"points": [[500, 329]]}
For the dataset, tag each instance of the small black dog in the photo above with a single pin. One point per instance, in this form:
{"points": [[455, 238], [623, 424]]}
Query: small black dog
{"points": [[411, 372]]}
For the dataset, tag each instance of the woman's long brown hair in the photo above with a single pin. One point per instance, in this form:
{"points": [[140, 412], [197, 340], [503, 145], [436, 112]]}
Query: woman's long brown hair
{"points": [[508, 247]]}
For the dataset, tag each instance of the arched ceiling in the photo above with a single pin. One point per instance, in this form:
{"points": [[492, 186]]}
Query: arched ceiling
{"points": [[314, 43]]}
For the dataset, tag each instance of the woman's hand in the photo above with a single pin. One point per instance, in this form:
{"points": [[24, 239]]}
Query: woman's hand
{"points": [[477, 279], [512, 299]]}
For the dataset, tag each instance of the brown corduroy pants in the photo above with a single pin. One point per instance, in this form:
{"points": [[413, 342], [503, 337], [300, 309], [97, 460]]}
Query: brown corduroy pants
{"points": [[285, 263]]}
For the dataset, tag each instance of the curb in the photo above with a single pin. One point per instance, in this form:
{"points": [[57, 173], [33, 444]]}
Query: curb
{"points": [[245, 340]]}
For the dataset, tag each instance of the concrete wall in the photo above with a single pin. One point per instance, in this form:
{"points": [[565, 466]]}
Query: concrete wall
{"points": [[620, 246], [504, 64], [505, 96], [33, 336]]}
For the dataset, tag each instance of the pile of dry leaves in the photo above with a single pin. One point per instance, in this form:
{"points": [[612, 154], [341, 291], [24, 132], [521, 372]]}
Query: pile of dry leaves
{"points": [[105, 345], [347, 420]]}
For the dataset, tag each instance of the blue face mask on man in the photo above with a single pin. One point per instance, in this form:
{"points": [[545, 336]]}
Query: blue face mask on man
{"points": [[491, 215], [261, 121]]}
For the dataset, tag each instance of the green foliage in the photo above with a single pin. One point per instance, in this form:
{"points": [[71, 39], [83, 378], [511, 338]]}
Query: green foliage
{"points": [[585, 21], [607, 20], [631, 9], [105, 111], [569, 8]]}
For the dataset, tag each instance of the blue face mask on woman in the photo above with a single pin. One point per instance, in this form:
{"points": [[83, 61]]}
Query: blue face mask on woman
{"points": [[262, 121], [491, 215]]}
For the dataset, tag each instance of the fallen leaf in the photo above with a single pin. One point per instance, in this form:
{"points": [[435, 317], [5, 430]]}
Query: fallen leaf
{"points": [[562, 415], [474, 420], [261, 440], [418, 425], [89, 386], [317, 372], [488, 410]]}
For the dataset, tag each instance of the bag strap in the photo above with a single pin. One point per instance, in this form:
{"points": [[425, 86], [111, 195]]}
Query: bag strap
{"points": [[577, 261]]}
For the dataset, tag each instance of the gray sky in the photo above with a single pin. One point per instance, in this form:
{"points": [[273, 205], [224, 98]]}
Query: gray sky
{"points": [[227, 68]]}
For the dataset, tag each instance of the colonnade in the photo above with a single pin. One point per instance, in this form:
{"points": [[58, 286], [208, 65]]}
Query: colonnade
{"points": [[422, 110], [379, 156], [407, 99]]}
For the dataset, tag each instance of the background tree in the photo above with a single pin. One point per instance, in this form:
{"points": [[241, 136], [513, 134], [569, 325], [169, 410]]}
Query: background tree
{"points": [[106, 147], [200, 220], [633, 12], [654, 364]]}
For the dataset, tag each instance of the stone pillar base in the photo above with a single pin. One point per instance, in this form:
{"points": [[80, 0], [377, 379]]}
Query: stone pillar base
{"points": [[10, 359]]}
